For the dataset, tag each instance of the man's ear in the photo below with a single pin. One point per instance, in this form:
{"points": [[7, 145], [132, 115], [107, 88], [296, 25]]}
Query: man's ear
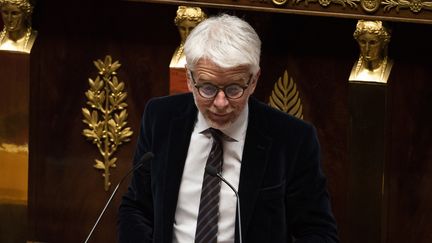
{"points": [[254, 81], [188, 78]]}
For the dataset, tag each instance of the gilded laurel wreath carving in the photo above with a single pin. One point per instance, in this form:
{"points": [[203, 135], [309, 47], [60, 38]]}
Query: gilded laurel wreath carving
{"points": [[285, 96], [106, 117]]}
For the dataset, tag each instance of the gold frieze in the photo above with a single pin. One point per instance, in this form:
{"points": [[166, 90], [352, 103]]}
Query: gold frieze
{"points": [[415, 5], [106, 117], [326, 3], [415, 11], [279, 2], [370, 6]]}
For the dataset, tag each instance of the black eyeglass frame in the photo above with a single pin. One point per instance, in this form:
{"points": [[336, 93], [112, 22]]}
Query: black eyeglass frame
{"points": [[199, 86]]}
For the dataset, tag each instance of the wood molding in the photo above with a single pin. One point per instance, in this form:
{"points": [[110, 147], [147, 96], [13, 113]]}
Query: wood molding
{"points": [[413, 11]]}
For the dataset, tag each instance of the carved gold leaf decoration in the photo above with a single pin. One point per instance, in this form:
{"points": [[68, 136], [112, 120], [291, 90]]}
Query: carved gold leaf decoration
{"points": [[370, 6], [107, 115], [325, 3], [285, 96], [279, 2], [415, 5]]}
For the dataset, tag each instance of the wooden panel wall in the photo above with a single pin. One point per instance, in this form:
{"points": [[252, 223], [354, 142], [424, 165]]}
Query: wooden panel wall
{"points": [[66, 193], [409, 143], [14, 139]]}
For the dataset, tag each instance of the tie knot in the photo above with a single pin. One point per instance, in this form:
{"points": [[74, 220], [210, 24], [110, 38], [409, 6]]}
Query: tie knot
{"points": [[216, 133]]}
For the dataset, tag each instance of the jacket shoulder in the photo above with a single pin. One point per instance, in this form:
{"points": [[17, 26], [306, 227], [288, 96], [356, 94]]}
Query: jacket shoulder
{"points": [[174, 104]]}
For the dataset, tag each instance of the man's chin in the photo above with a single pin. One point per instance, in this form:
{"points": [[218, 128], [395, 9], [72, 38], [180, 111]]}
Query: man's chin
{"points": [[218, 124]]}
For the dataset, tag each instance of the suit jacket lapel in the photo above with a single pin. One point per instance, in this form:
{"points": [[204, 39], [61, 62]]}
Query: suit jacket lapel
{"points": [[181, 128], [254, 162]]}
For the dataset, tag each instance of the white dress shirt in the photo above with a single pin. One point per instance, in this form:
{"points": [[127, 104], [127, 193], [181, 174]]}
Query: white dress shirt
{"points": [[190, 188]]}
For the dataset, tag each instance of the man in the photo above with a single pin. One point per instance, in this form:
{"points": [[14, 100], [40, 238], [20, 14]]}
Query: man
{"points": [[269, 156]]}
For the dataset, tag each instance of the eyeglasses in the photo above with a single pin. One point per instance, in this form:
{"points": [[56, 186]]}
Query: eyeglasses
{"points": [[231, 91]]}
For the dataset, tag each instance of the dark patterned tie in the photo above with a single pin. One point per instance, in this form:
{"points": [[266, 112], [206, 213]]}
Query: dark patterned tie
{"points": [[208, 216]]}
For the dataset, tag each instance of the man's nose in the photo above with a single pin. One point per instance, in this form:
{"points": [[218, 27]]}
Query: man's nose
{"points": [[220, 100]]}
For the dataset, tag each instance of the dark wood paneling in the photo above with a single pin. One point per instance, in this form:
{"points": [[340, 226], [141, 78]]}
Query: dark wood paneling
{"points": [[13, 223], [66, 192], [14, 128], [367, 159], [409, 171], [14, 97], [320, 66]]}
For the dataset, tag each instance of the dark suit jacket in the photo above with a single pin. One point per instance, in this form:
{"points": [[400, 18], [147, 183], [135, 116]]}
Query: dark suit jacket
{"points": [[282, 188]]}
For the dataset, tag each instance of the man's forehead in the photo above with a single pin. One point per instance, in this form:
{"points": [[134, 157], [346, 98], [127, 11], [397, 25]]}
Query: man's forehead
{"points": [[206, 64]]}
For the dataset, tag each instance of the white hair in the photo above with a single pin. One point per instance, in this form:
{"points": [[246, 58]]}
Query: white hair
{"points": [[226, 40]]}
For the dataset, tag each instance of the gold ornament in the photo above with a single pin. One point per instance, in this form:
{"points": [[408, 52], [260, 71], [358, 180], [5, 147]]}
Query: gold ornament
{"points": [[285, 96], [107, 116]]}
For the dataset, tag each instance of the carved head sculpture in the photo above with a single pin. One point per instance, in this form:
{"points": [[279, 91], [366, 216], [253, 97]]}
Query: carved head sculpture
{"points": [[373, 38], [16, 14], [17, 34], [373, 64], [187, 18]]}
